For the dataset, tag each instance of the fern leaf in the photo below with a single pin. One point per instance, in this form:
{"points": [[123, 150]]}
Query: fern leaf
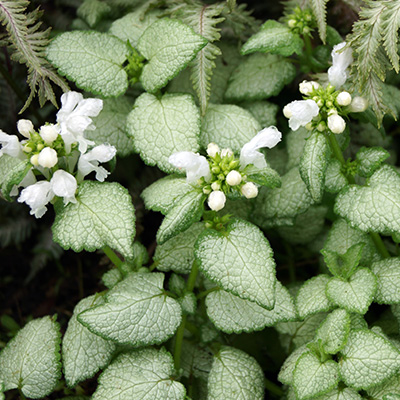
{"points": [[391, 26], [318, 8], [240, 21], [29, 43]]}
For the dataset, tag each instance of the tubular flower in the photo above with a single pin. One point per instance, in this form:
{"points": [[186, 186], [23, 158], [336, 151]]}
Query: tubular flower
{"points": [[195, 165], [301, 112], [10, 145], [338, 73], [216, 200]]}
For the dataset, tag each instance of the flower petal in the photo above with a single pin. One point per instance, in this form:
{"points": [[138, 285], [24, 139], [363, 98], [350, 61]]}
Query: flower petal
{"points": [[37, 196], [337, 74], [302, 111], [195, 165], [64, 185]]}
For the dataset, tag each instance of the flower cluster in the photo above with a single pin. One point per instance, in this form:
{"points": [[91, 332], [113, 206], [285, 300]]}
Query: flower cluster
{"points": [[301, 21], [223, 174], [323, 107], [59, 152]]}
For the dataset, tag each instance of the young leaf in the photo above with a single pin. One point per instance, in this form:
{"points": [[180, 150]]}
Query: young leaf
{"points": [[92, 60], [240, 261], [137, 312], [387, 274], [335, 181], [142, 374], [12, 172], [163, 126], [102, 216], [83, 352], [169, 45], [368, 359], [319, 10], [235, 375], [31, 360], [369, 159]]}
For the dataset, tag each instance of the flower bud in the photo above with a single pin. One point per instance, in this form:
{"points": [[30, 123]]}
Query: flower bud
{"points": [[249, 190], [291, 23], [306, 88], [25, 127], [48, 133], [212, 149], [48, 158], [358, 104], [215, 186], [287, 112], [216, 200], [226, 153], [309, 126], [34, 160], [321, 127], [336, 123], [234, 178], [343, 98]]}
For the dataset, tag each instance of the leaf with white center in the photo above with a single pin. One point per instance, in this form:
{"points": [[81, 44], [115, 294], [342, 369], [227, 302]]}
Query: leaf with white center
{"points": [[387, 387], [169, 45], [369, 159], [188, 303], [102, 216], [229, 126], [355, 294], [374, 207], [111, 125], [182, 215], [265, 177], [259, 77], [31, 360], [162, 126], [240, 260], [341, 394], [275, 38], [387, 274], [137, 312], [93, 60], [142, 374], [311, 377], [177, 253], [334, 331], [83, 352], [367, 360], [235, 375], [12, 172], [196, 360], [286, 372], [313, 164], [230, 313], [311, 297], [263, 111], [163, 194], [295, 142], [335, 181]]}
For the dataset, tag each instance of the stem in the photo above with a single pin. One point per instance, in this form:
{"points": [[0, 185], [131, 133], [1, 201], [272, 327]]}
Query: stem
{"points": [[113, 257], [21, 394], [309, 50], [272, 387], [192, 277], [206, 292], [378, 242], [153, 266]]}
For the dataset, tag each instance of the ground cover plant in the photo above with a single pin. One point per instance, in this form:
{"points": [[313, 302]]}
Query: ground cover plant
{"points": [[199, 201]]}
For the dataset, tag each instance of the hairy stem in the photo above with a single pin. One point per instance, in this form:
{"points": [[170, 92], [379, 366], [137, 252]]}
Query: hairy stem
{"points": [[113, 257], [378, 242]]}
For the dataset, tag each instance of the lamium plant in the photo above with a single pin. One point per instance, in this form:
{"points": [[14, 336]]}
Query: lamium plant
{"points": [[261, 260]]}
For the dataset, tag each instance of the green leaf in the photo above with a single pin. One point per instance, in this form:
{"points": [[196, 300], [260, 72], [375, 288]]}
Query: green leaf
{"points": [[31, 360], [263, 111], [240, 261], [295, 142], [137, 312], [146, 374], [341, 394], [335, 181], [390, 386], [311, 377], [387, 274], [196, 360], [313, 165], [275, 38], [259, 77], [184, 213], [12, 172], [229, 126], [111, 125], [235, 375], [265, 177], [367, 207], [334, 331], [163, 126], [286, 372], [83, 352], [354, 295], [163, 194], [311, 297], [169, 45], [230, 313], [177, 253], [93, 11], [92, 60], [369, 159], [102, 216], [188, 303], [318, 8], [367, 360], [390, 25]]}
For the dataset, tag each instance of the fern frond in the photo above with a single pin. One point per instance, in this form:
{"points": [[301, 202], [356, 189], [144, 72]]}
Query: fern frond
{"points": [[391, 24], [29, 44], [240, 21], [318, 8]]}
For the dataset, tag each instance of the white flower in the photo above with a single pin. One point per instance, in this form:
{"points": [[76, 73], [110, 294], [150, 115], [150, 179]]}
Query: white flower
{"points": [[216, 200], [234, 178], [212, 149], [34, 160], [226, 153], [336, 123], [74, 118], [25, 127], [49, 133], [195, 165], [287, 112], [64, 185], [215, 186], [29, 179], [89, 161], [37, 196], [10, 145], [249, 190], [337, 74], [268, 137], [301, 113], [48, 158], [307, 87], [343, 98], [358, 104]]}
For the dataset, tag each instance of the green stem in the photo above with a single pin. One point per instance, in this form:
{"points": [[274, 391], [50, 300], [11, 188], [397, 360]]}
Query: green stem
{"points": [[192, 277], [153, 266], [309, 51], [378, 242], [113, 257], [272, 387], [206, 292], [21, 394]]}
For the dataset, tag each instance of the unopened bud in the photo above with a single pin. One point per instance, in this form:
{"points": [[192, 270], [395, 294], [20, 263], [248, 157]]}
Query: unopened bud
{"points": [[306, 88], [336, 123], [234, 178], [34, 160], [343, 98], [215, 186], [226, 153], [308, 126], [291, 23], [249, 190], [25, 127], [48, 158], [358, 104], [287, 112], [48, 133], [216, 200]]}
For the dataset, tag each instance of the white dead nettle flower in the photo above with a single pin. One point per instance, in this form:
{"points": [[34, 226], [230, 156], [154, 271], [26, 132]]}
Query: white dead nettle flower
{"points": [[10, 145], [234, 178], [343, 98], [336, 123], [341, 60], [48, 158], [216, 200], [226, 153], [358, 104], [195, 165], [34, 160], [64, 185], [212, 149], [89, 161], [249, 190], [74, 118], [215, 186], [49, 133], [301, 113], [307, 87], [267, 137], [25, 127]]}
